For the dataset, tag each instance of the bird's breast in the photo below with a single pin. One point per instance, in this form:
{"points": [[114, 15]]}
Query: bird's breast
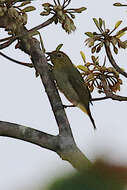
{"points": [[65, 86]]}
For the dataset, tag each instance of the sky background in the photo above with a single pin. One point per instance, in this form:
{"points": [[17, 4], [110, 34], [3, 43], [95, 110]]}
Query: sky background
{"points": [[23, 100]]}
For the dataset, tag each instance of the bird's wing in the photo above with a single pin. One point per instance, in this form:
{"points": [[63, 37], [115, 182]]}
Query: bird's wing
{"points": [[78, 84]]}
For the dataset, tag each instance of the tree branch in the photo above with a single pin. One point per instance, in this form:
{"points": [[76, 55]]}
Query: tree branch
{"points": [[64, 147], [64, 144], [117, 97], [111, 59], [4, 22], [101, 98], [40, 63], [15, 61], [44, 24], [7, 43], [67, 148], [28, 134], [111, 96]]}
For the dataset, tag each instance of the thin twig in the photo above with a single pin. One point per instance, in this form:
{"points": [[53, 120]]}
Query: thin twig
{"points": [[123, 5], [6, 39], [12, 39], [111, 59], [64, 3], [55, 2], [101, 98], [69, 106], [18, 62], [58, 2], [111, 96], [68, 2], [27, 32], [117, 97], [104, 61], [6, 44], [44, 24]]}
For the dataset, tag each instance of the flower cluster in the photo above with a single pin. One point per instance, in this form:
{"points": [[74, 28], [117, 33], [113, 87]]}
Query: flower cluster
{"points": [[105, 35], [93, 75], [18, 16], [15, 13], [61, 14]]}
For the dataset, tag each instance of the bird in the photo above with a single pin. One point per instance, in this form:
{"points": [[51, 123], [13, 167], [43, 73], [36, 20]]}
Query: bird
{"points": [[70, 82]]}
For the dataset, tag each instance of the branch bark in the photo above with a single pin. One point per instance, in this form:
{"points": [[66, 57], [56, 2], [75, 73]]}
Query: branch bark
{"points": [[63, 146], [28, 134]]}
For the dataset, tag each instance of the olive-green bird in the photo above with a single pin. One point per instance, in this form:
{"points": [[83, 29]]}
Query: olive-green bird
{"points": [[70, 82]]}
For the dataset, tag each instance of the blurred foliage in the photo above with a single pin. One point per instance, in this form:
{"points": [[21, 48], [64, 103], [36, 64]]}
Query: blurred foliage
{"points": [[101, 176]]}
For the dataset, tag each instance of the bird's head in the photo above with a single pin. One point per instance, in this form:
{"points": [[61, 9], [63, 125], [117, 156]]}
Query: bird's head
{"points": [[58, 57]]}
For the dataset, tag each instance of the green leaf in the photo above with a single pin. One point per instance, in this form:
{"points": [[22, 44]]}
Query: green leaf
{"points": [[59, 47], [82, 68], [83, 56], [28, 9], [24, 3], [89, 34], [100, 22], [46, 5], [96, 22], [80, 9], [118, 23], [103, 23], [119, 35]]}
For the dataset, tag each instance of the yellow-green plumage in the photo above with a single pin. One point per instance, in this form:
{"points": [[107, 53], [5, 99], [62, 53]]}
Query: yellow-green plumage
{"points": [[70, 82]]}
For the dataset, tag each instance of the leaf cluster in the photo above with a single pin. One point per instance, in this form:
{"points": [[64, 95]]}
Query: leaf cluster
{"points": [[94, 73], [105, 35], [16, 14], [62, 15]]}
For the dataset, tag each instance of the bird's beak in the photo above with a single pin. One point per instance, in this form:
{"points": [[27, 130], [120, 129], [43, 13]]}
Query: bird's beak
{"points": [[48, 56], [48, 53]]}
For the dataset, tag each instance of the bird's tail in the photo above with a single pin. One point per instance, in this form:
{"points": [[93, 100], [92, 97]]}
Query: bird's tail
{"points": [[92, 120], [88, 113]]}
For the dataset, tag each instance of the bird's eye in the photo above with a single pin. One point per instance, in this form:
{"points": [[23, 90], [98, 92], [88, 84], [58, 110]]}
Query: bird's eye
{"points": [[59, 55]]}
